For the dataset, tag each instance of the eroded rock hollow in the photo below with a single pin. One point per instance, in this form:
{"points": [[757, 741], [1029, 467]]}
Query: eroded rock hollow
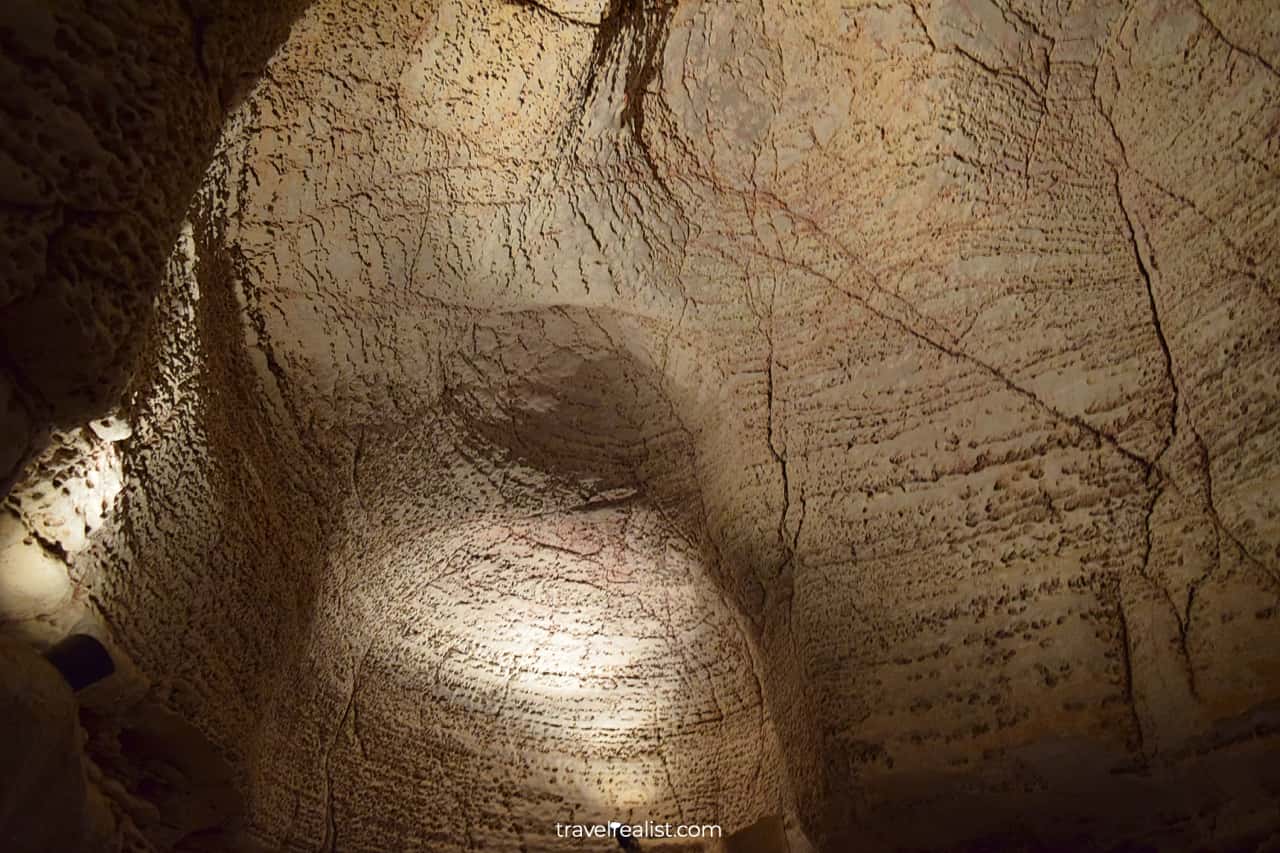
{"points": [[853, 425]]}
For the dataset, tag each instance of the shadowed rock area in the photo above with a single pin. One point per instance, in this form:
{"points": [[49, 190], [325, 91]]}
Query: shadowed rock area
{"points": [[854, 425]]}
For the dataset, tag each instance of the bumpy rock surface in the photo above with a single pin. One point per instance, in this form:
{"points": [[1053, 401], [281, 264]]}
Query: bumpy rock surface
{"points": [[858, 418]]}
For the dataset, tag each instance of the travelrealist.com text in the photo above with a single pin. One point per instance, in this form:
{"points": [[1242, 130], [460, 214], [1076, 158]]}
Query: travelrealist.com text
{"points": [[648, 829]]}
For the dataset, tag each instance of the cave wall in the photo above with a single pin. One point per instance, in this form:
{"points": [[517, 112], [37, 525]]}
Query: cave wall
{"points": [[881, 397], [111, 116]]}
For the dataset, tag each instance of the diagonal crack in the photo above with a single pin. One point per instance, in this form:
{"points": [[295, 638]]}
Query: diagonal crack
{"points": [[1254, 55], [1195, 585], [331, 823], [1126, 654], [1155, 465], [1145, 266], [1145, 261], [1101, 437], [931, 341], [1181, 621], [780, 457]]}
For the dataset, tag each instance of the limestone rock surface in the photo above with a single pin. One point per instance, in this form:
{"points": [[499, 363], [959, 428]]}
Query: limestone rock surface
{"points": [[853, 424]]}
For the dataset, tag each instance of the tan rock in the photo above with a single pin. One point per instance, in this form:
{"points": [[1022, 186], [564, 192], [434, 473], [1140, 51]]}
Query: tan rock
{"points": [[853, 424]]}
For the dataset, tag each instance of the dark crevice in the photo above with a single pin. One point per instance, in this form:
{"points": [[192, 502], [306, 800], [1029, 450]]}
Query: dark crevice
{"points": [[1126, 658], [629, 41], [1218, 523], [199, 37], [780, 457], [554, 13], [1145, 270]]}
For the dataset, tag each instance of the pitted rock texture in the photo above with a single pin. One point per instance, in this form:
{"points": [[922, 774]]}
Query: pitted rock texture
{"points": [[769, 414], [110, 117]]}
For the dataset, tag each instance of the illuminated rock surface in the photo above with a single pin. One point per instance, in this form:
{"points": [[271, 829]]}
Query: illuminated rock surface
{"points": [[851, 419]]}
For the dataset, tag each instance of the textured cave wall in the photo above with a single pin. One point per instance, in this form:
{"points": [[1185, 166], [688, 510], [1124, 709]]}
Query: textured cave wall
{"points": [[951, 364], [686, 411], [110, 115], [489, 660]]}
